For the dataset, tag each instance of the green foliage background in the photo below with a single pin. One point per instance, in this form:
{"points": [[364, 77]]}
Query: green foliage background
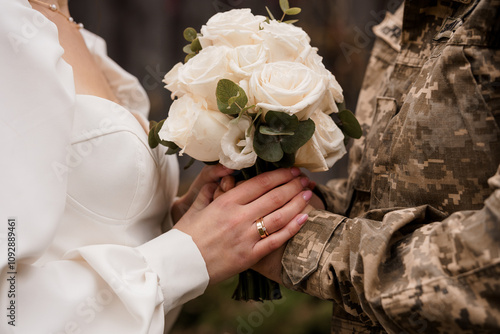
{"points": [[216, 313]]}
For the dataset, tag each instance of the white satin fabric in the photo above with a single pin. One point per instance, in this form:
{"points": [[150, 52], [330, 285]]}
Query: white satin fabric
{"points": [[87, 193]]}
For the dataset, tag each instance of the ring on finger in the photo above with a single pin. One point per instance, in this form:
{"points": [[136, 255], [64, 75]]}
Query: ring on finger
{"points": [[261, 228]]}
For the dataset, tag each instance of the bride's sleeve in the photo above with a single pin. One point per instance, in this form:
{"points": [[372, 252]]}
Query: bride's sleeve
{"points": [[95, 289]]}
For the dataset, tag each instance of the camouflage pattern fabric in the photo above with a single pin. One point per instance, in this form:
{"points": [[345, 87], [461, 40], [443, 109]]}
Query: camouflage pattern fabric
{"points": [[411, 240]]}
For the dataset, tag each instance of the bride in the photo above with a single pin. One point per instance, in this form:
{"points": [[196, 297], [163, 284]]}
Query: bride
{"points": [[88, 239]]}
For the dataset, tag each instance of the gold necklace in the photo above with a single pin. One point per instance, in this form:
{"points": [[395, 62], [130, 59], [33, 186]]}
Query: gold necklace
{"points": [[53, 7]]}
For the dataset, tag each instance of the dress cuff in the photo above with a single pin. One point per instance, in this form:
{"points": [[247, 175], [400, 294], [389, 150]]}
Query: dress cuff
{"points": [[180, 267]]}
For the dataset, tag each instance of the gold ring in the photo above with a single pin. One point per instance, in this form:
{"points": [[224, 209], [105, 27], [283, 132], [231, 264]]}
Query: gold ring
{"points": [[261, 228]]}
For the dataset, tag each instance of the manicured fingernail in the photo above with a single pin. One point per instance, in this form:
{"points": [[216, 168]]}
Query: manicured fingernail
{"points": [[304, 181], [307, 195], [295, 171], [302, 219]]}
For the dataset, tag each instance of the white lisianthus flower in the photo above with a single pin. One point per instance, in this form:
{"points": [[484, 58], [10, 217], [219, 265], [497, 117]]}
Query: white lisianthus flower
{"points": [[232, 28], [246, 59], [324, 148], [237, 148], [200, 75], [286, 42], [288, 87], [193, 127]]}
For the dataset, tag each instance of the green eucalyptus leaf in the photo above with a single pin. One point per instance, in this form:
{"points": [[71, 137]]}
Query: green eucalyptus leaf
{"points": [[284, 5], [270, 14], [290, 144], [265, 130], [281, 121], [341, 106], [152, 124], [189, 164], [291, 21], [153, 138], [190, 34], [248, 107], [350, 125], [287, 161], [196, 46], [171, 151], [293, 11], [153, 143], [268, 148], [187, 49], [231, 98], [189, 56], [171, 145]]}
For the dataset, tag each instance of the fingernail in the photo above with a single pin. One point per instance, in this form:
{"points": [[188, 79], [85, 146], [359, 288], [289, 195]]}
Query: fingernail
{"points": [[302, 219], [295, 171], [223, 184], [304, 181], [307, 195]]}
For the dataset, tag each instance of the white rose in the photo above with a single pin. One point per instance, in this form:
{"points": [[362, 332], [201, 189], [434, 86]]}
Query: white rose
{"points": [[324, 148], [286, 42], [200, 75], [287, 87], [232, 28], [195, 128], [333, 96], [237, 147], [245, 59], [334, 90], [171, 80]]}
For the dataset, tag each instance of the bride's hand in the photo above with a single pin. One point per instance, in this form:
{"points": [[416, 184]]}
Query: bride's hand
{"points": [[270, 266], [224, 229], [209, 174]]}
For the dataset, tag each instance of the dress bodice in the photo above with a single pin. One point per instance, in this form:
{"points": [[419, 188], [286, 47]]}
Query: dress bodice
{"points": [[119, 190]]}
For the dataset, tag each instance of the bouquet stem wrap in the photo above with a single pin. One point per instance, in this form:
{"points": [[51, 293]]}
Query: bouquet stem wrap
{"points": [[254, 286]]}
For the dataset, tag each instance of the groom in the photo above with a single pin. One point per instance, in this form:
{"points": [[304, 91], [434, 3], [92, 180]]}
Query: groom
{"points": [[410, 242]]}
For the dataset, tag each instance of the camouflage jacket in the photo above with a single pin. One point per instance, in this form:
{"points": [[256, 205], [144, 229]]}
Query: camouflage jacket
{"points": [[410, 242]]}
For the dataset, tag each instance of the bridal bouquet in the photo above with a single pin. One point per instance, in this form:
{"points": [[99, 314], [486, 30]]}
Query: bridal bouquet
{"points": [[254, 95]]}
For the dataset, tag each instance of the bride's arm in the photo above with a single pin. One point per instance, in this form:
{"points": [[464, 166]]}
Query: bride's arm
{"points": [[99, 288]]}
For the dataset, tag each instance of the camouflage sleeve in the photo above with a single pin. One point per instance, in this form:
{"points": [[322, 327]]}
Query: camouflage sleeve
{"points": [[405, 269], [333, 194]]}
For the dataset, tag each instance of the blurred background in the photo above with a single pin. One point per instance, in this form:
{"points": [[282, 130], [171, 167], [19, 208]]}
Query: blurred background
{"points": [[145, 38]]}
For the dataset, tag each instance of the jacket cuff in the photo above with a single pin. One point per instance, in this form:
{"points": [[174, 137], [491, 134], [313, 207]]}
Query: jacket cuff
{"points": [[180, 267], [303, 252]]}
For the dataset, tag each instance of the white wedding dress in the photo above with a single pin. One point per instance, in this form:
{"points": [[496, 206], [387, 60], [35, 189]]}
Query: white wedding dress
{"points": [[86, 194]]}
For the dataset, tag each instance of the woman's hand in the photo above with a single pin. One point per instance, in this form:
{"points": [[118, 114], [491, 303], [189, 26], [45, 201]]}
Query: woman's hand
{"points": [[209, 174], [224, 229], [270, 266]]}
